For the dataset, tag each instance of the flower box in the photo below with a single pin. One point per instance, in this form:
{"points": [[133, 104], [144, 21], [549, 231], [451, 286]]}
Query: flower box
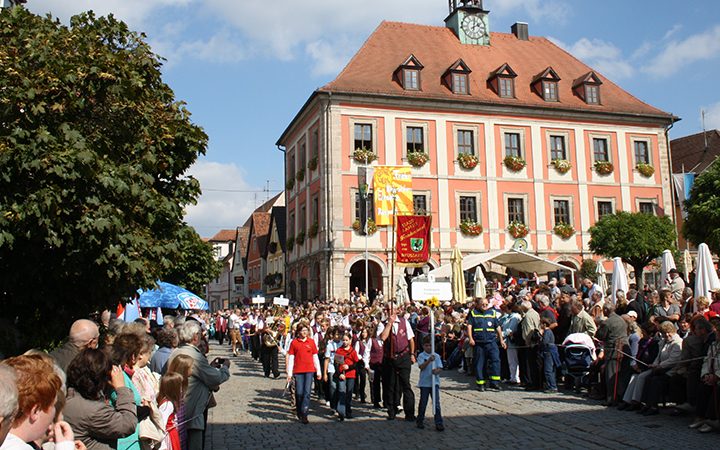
{"points": [[300, 175], [300, 238], [467, 161], [313, 230], [290, 183], [563, 166], [517, 229], [371, 227], [514, 163], [418, 159], [313, 163], [363, 155], [645, 170], [470, 228], [564, 230], [604, 167]]}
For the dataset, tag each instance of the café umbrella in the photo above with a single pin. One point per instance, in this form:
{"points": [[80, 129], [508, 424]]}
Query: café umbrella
{"points": [[706, 278], [619, 278], [667, 264], [170, 296], [458, 277]]}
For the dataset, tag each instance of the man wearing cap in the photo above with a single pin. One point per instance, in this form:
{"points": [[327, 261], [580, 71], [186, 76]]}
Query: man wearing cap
{"points": [[677, 285]]}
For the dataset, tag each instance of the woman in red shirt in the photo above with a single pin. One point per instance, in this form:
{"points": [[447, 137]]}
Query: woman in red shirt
{"points": [[302, 362], [345, 359]]}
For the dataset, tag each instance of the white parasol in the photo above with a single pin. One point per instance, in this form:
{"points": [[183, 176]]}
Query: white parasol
{"points": [[706, 277], [667, 263], [601, 278], [688, 263], [619, 278], [401, 290], [480, 283]]}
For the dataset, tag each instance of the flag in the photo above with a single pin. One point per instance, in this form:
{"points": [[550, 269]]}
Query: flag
{"points": [[159, 318], [683, 183], [392, 184], [413, 240], [129, 311]]}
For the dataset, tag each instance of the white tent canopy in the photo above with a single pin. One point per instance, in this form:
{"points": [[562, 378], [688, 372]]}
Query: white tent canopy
{"points": [[511, 258]]}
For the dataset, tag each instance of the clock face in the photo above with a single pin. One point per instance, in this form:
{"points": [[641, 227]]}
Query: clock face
{"points": [[473, 26]]}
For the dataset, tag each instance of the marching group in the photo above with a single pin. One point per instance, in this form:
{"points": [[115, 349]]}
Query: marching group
{"points": [[646, 347]]}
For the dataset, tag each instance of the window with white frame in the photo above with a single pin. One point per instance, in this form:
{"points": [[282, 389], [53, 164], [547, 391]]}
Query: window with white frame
{"points": [[466, 141], [363, 136], [557, 148], [604, 208], [412, 79], [506, 87], [420, 204], [642, 152], [368, 205], [646, 207], [561, 211], [516, 209], [460, 83], [601, 151], [468, 209], [512, 144], [550, 91], [415, 139]]}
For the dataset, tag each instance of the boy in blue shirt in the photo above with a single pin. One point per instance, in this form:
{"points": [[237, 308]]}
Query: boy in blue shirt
{"points": [[430, 365]]}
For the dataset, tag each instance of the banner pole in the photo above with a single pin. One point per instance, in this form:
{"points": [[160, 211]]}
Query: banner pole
{"points": [[392, 251]]}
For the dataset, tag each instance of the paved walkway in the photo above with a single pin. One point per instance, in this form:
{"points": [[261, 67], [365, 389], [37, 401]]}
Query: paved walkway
{"points": [[253, 414]]}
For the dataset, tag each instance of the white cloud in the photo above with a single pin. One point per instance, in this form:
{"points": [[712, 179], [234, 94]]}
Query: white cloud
{"points": [[678, 54], [223, 47], [215, 209], [553, 10], [672, 31], [603, 56], [329, 59], [712, 117]]}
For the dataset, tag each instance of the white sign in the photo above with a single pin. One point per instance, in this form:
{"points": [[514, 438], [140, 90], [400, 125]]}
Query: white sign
{"points": [[422, 290], [282, 301], [258, 300]]}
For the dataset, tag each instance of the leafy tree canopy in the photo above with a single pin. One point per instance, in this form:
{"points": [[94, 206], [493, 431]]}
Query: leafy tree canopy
{"points": [[196, 264], [637, 238], [93, 149], [703, 207]]}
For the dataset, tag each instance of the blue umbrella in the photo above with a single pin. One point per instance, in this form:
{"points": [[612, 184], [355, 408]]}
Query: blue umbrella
{"points": [[169, 296]]}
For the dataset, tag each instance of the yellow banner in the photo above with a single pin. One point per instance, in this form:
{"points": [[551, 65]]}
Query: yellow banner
{"points": [[389, 182]]}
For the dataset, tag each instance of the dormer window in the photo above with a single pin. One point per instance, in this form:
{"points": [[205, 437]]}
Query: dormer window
{"points": [[587, 87], [457, 78], [408, 74], [545, 85], [502, 81]]}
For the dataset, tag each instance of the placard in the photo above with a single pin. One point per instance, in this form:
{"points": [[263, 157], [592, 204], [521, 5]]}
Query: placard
{"points": [[422, 290], [282, 301], [258, 300]]}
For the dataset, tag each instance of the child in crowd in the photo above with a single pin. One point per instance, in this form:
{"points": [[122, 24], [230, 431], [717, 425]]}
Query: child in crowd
{"points": [[430, 365], [346, 359], [169, 400], [549, 354]]}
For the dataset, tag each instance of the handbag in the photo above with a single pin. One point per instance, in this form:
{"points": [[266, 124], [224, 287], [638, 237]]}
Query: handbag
{"points": [[151, 429]]}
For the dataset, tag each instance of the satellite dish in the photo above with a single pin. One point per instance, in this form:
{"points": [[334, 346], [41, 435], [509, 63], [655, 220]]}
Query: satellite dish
{"points": [[520, 244]]}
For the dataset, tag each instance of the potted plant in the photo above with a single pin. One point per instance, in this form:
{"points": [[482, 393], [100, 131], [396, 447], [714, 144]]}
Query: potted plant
{"points": [[300, 175], [290, 183], [290, 243], [517, 229], [645, 170], [563, 166], [564, 230], [514, 163], [300, 238], [313, 163], [467, 160], [313, 230], [470, 228], [418, 159], [604, 167], [363, 155], [371, 227]]}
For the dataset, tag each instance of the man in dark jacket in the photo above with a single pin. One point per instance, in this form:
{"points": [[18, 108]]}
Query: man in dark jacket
{"points": [[83, 334], [639, 305], [614, 335]]}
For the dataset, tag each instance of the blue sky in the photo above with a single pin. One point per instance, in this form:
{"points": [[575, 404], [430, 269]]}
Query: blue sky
{"points": [[245, 67]]}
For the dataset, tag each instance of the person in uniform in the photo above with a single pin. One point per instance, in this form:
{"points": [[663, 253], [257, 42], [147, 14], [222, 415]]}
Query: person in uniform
{"points": [[399, 356], [485, 333]]}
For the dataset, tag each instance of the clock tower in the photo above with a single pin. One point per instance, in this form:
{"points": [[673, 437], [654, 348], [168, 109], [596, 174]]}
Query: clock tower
{"points": [[469, 21]]}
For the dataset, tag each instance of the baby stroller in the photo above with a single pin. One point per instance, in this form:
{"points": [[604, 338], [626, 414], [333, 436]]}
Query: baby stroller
{"points": [[578, 357]]}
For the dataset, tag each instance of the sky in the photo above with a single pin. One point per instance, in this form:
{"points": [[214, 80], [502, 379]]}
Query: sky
{"points": [[245, 67]]}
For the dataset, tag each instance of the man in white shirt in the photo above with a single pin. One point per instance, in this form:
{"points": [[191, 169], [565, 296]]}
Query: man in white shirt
{"points": [[593, 288], [234, 326], [399, 347]]}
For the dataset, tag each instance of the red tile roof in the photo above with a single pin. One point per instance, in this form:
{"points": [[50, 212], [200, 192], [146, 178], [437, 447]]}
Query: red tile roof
{"points": [[690, 153], [224, 236], [371, 70]]}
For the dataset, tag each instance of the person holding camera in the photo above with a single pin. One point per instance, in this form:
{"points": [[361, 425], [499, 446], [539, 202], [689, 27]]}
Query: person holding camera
{"points": [[205, 377]]}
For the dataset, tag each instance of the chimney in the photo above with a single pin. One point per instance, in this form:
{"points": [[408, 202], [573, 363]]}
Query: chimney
{"points": [[520, 30]]}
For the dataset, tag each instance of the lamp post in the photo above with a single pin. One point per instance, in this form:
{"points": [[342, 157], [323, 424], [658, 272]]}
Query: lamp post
{"points": [[365, 200]]}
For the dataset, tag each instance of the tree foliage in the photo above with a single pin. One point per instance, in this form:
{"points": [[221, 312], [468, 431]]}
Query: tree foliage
{"points": [[637, 238], [196, 264], [703, 207], [93, 149], [588, 269]]}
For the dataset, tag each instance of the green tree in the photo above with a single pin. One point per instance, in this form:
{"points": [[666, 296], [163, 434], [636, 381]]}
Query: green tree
{"points": [[588, 269], [637, 238], [196, 264], [94, 149], [703, 208]]}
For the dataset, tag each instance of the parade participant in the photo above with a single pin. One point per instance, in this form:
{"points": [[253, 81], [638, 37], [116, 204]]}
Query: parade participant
{"points": [[221, 327], [346, 359], [429, 384], [484, 332], [97, 423], [269, 352], [302, 362], [398, 358], [376, 366], [320, 339], [510, 324], [334, 342], [234, 326], [205, 377], [362, 348], [83, 334]]}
